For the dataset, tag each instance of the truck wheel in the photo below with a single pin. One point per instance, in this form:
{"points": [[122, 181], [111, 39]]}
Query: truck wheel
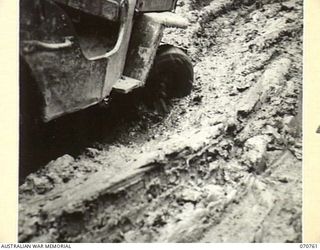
{"points": [[171, 76]]}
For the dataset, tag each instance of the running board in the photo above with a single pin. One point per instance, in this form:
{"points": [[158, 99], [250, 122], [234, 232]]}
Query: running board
{"points": [[126, 84]]}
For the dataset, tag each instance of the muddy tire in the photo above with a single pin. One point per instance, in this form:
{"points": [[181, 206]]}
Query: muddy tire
{"points": [[170, 77]]}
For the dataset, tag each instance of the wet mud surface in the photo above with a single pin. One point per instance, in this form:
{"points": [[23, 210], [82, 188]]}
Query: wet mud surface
{"points": [[223, 165]]}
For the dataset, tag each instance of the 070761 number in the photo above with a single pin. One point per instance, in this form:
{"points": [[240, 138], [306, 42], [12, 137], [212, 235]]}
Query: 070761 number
{"points": [[308, 245]]}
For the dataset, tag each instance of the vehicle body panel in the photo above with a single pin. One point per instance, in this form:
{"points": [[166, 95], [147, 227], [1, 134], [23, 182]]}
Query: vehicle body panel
{"points": [[67, 79]]}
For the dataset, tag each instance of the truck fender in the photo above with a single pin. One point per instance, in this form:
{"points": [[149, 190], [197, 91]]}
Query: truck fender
{"points": [[145, 40]]}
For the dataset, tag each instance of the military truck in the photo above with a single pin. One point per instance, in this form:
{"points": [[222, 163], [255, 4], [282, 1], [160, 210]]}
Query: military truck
{"points": [[76, 53]]}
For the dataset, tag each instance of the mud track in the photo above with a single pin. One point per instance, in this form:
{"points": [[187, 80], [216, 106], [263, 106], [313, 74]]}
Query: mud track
{"points": [[223, 166]]}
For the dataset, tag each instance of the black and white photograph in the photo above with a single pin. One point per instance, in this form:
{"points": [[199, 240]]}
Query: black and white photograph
{"points": [[160, 121]]}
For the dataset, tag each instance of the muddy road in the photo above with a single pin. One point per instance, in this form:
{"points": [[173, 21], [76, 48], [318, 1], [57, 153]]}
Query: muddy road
{"points": [[224, 165]]}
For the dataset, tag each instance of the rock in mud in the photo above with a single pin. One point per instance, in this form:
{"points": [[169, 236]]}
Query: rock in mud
{"points": [[255, 150], [55, 172], [189, 195]]}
